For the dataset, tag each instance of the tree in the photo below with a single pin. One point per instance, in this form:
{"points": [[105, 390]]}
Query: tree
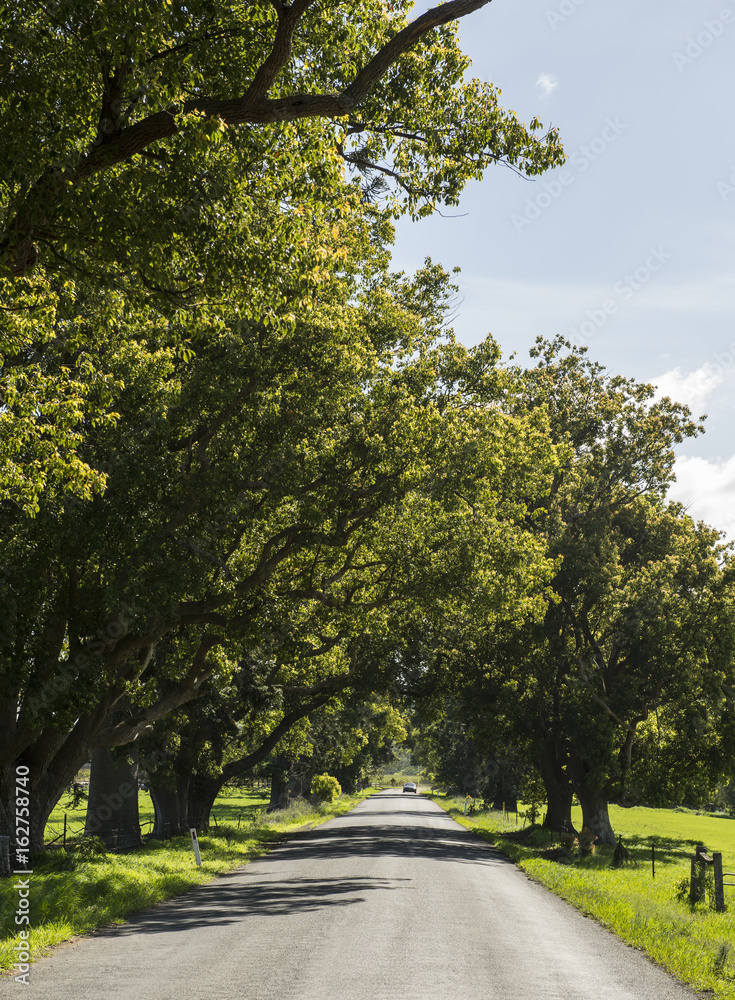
{"points": [[112, 806], [181, 225], [167, 161], [138, 88], [658, 634], [352, 738], [683, 752], [219, 406], [346, 464], [638, 616], [229, 729]]}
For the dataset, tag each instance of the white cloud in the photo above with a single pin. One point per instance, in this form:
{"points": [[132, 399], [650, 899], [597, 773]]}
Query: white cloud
{"points": [[547, 83], [706, 487], [692, 389]]}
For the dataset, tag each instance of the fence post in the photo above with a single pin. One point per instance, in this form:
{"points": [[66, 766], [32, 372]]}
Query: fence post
{"points": [[693, 881], [719, 888]]}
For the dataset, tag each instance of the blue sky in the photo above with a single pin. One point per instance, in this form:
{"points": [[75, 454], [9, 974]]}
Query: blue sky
{"points": [[629, 248]]}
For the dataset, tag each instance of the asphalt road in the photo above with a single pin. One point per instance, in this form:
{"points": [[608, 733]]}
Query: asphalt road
{"points": [[394, 901]]}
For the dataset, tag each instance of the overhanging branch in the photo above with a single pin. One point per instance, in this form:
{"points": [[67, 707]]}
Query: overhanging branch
{"points": [[18, 252]]}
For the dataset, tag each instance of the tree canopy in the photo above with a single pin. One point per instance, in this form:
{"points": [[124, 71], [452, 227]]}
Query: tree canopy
{"points": [[638, 624], [110, 141], [290, 484], [186, 160]]}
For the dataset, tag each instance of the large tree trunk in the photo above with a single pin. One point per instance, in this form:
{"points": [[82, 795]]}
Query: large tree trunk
{"points": [[593, 800], [53, 762], [169, 796], [112, 809], [279, 783], [595, 814], [27, 829], [503, 789], [559, 791], [202, 793]]}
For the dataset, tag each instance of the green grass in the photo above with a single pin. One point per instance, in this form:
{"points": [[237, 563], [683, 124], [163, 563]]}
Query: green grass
{"points": [[396, 779], [75, 818], [72, 895], [695, 944], [231, 805]]}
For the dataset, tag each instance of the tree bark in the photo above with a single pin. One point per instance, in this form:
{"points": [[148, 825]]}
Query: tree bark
{"points": [[202, 793], [559, 791], [279, 783], [112, 809], [595, 815], [594, 804], [169, 797], [43, 796], [54, 761]]}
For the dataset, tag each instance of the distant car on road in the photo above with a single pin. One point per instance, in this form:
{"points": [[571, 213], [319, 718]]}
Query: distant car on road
{"points": [[410, 786]]}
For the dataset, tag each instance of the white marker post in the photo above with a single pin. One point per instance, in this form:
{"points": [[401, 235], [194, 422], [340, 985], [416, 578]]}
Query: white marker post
{"points": [[195, 845]]}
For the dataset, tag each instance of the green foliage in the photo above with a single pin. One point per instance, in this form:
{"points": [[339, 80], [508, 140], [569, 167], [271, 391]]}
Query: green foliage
{"points": [[79, 794], [88, 848], [325, 788], [172, 128], [638, 628], [682, 889], [234, 446], [533, 795], [278, 507], [156, 183]]}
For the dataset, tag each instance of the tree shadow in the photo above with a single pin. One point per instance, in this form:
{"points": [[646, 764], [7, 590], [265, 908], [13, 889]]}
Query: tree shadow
{"points": [[272, 885], [668, 849]]}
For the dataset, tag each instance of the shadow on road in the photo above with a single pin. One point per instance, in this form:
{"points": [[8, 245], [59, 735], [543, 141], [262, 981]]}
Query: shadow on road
{"points": [[225, 902], [260, 889], [405, 841]]}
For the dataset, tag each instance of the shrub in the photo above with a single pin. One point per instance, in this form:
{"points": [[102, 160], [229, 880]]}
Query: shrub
{"points": [[325, 788]]}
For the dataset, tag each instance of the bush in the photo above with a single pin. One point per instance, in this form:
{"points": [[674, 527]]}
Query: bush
{"points": [[325, 788]]}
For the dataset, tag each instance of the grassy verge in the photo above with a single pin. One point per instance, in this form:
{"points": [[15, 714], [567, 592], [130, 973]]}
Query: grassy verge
{"points": [[72, 894], [695, 944]]}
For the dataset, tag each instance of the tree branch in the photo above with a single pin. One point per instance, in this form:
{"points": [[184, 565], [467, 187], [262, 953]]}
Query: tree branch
{"points": [[405, 40], [18, 252], [130, 729], [600, 701], [288, 18]]}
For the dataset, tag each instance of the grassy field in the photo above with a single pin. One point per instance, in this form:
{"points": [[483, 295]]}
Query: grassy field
{"points": [[232, 804], [695, 944], [72, 894]]}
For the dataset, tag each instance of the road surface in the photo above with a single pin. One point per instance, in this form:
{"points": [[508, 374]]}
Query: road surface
{"points": [[393, 901]]}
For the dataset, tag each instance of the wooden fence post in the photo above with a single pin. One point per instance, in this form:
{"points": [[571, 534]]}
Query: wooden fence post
{"points": [[693, 880], [719, 888]]}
